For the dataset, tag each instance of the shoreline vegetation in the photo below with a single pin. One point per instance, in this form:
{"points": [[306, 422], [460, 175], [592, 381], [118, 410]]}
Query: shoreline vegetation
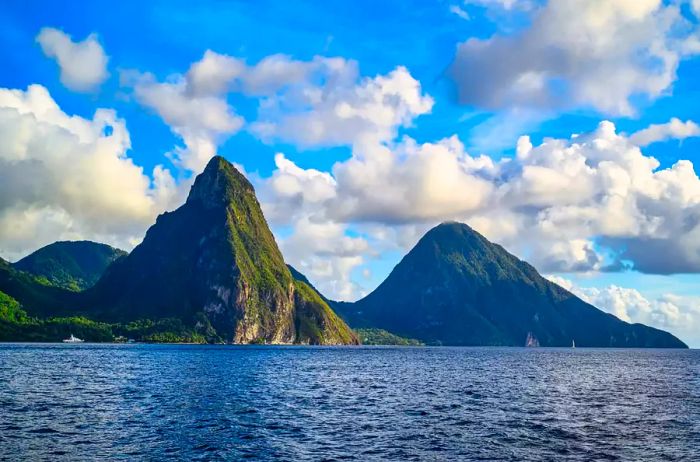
{"points": [[18, 326]]}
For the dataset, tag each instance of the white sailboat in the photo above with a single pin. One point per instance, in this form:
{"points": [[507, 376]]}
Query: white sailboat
{"points": [[531, 341], [73, 339], [573, 344]]}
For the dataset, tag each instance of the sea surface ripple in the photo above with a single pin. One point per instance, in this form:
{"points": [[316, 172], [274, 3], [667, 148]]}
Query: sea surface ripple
{"points": [[186, 402]]}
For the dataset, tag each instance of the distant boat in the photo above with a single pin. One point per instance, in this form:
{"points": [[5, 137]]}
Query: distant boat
{"points": [[73, 339], [573, 344], [531, 341]]}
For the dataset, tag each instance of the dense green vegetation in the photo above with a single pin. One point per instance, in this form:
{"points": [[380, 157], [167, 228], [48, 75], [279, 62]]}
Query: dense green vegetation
{"points": [[72, 265], [10, 310], [17, 326], [315, 321], [36, 294], [166, 330], [383, 337]]}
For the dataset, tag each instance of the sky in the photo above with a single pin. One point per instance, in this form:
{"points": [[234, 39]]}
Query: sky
{"points": [[564, 130]]}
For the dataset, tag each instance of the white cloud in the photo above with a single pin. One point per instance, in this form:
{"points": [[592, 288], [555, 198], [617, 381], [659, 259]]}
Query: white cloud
{"points": [[319, 248], [673, 129], [342, 111], [217, 73], [66, 177], [599, 191], [277, 72], [83, 64], [212, 75], [410, 182], [578, 53], [678, 314], [293, 192]]}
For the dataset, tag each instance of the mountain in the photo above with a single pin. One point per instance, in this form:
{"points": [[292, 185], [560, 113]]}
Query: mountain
{"points": [[215, 262], [457, 288], [73, 265]]}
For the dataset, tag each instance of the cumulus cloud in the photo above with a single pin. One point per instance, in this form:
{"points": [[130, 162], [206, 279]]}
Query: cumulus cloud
{"points": [[578, 53], [678, 314], [292, 192], [673, 129], [213, 74], [410, 182], [217, 73], [339, 110], [593, 202], [280, 72], [83, 64], [66, 177]]}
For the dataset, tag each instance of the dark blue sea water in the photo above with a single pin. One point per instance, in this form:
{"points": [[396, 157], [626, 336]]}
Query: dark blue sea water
{"points": [[152, 402]]}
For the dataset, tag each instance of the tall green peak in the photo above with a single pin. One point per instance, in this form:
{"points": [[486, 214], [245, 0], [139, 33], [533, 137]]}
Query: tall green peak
{"points": [[215, 259], [72, 265], [219, 183], [457, 288]]}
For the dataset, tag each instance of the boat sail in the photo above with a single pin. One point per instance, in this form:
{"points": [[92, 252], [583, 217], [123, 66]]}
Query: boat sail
{"points": [[573, 344], [531, 341]]}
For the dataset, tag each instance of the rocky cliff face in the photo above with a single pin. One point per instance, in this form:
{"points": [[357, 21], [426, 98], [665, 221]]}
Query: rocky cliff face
{"points": [[457, 288], [216, 257]]}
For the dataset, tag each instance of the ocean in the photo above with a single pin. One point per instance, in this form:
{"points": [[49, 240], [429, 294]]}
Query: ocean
{"points": [[191, 402]]}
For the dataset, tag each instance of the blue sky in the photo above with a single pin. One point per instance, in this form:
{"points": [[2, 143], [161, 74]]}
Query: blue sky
{"points": [[348, 203]]}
